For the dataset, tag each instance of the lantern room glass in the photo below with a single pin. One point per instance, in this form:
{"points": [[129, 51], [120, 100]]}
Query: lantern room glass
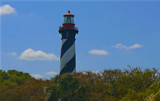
{"points": [[68, 19]]}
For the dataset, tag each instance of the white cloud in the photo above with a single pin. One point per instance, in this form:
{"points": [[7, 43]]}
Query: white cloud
{"points": [[51, 73], [7, 9], [37, 76], [32, 55], [98, 52], [135, 46], [121, 46], [13, 54]]}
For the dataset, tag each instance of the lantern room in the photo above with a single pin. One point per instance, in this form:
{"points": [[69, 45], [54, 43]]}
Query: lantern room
{"points": [[68, 23], [69, 18]]}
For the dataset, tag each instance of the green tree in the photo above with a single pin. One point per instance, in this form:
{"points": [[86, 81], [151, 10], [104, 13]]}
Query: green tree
{"points": [[66, 88]]}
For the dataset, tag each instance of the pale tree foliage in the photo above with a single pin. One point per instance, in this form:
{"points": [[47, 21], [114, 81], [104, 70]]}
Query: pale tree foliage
{"points": [[132, 84]]}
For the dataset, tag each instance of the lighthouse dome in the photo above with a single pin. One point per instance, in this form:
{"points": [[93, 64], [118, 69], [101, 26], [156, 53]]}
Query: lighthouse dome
{"points": [[69, 14]]}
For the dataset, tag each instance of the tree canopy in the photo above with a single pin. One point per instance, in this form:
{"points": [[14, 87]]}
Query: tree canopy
{"points": [[132, 84]]}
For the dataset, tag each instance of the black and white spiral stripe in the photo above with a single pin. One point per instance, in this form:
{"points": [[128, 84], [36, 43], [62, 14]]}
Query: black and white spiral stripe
{"points": [[67, 61]]}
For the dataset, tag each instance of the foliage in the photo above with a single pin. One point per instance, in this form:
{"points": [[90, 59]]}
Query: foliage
{"points": [[30, 90], [66, 88], [11, 78], [133, 84], [153, 92], [111, 85], [19, 86]]}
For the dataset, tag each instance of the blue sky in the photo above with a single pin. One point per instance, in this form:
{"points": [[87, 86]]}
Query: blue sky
{"points": [[112, 34]]}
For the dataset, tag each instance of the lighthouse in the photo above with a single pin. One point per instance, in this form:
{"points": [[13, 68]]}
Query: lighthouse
{"points": [[68, 32]]}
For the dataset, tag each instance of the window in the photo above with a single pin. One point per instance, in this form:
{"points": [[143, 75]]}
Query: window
{"points": [[68, 19]]}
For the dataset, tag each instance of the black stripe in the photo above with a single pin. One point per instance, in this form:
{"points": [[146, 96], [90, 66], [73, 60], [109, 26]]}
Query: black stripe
{"points": [[68, 43], [69, 67]]}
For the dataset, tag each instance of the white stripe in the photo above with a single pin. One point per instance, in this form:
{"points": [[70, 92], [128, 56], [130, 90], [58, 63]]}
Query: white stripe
{"points": [[63, 41], [67, 56]]}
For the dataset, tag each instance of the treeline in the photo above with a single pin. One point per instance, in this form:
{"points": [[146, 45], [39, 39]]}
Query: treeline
{"points": [[19, 86], [133, 84]]}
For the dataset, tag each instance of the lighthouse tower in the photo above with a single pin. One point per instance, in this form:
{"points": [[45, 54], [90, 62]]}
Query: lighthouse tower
{"points": [[68, 55]]}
